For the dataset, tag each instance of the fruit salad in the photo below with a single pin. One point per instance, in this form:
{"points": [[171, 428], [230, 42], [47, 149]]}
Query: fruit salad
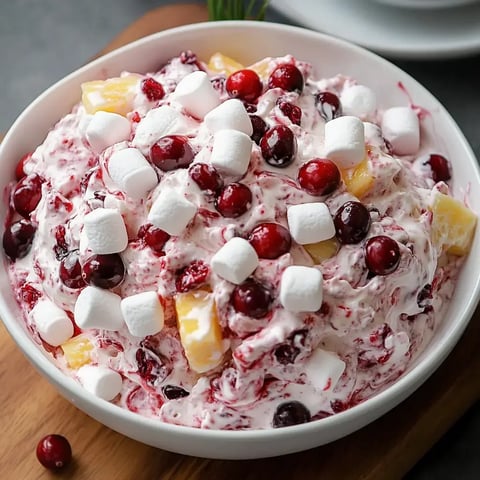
{"points": [[234, 247]]}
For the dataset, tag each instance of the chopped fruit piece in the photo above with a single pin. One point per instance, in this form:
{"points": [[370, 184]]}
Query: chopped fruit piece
{"points": [[220, 63], [77, 351], [112, 95], [262, 68], [321, 251], [358, 180], [200, 331], [453, 224]]}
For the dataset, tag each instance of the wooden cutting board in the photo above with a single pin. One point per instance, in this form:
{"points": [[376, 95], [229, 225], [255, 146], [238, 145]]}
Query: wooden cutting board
{"points": [[386, 449]]}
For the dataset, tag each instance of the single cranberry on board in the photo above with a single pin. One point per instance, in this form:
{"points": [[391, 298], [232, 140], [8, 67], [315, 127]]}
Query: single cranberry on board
{"points": [[54, 452]]}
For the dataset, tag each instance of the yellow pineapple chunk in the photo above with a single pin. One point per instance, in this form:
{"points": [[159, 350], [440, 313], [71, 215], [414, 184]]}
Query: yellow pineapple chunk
{"points": [[262, 68], [77, 351], [321, 251], [200, 331], [113, 95], [220, 63], [453, 224], [358, 180]]}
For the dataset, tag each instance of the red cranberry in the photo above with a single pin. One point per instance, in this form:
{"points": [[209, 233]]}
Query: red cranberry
{"points": [[288, 352], [382, 255], [54, 452], [61, 246], [154, 237], [27, 194], [440, 168], [205, 176], [29, 294], [152, 89], [151, 367], [245, 85], [291, 413], [192, 276], [171, 152], [70, 270], [20, 168], [251, 298], [291, 111], [279, 146], [259, 128], [328, 105], [288, 77], [104, 271], [319, 176], [270, 240], [352, 222], [172, 392], [18, 238], [233, 200]]}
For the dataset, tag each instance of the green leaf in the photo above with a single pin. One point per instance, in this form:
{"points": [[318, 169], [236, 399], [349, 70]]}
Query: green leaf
{"points": [[235, 9]]}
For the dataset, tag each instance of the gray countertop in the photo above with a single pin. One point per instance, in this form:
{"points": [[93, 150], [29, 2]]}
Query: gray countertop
{"points": [[42, 40]]}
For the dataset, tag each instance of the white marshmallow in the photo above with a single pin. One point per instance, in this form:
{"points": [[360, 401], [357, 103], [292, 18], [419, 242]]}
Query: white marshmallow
{"points": [[345, 141], [310, 222], [230, 114], [98, 308], [52, 323], [105, 129], [143, 314], [323, 369], [105, 231], [400, 126], [231, 152], [103, 382], [301, 289], [235, 261], [359, 101], [132, 173], [171, 212], [196, 94]]}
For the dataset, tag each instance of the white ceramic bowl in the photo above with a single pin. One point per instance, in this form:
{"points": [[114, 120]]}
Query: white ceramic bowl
{"points": [[247, 42]]}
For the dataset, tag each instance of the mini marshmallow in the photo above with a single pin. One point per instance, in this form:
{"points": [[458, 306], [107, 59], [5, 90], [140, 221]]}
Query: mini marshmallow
{"points": [[103, 382], [132, 173], [105, 231], [401, 128], [301, 289], [143, 314], [323, 369], [98, 308], [359, 101], [235, 261], [52, 323], [345, 141], [171, 212], [106, 129], [310, 222], [196, 94], [230, 114], [231, 152]]}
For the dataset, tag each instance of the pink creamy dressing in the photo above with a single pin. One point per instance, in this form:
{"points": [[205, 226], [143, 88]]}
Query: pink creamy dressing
{"points": [[372, 323]]}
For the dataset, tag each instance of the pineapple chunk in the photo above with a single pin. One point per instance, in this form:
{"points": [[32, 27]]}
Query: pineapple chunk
{"points": [[220, 63], [262, 68], [77, 351], [358, 180], [453, 224], [200, 331], [113, 95], [321, 251]]}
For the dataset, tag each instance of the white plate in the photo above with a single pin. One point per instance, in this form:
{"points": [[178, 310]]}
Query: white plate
{"points": [[392, 31]]}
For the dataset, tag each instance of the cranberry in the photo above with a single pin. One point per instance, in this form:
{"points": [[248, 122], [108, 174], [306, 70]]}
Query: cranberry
{"points": [[270, 240], [152, 89], [424, 296], [172, 392], [279, 146], [288, 77], [154, 237], [150, 366], [328, 105], [205, 176], [233, 200], [291, 413], [171, 152], [61, 247], [192, 276], [20, 168], [104, 271], [259, 128], [291, 111], [187, 57], [70, 270], [245, 85], [18, 238], [29, 294], [27, 194], [288, 352], [440, 168], [382, 255], [352, 222], [251, 298], [54, 452], [319, 176]]}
